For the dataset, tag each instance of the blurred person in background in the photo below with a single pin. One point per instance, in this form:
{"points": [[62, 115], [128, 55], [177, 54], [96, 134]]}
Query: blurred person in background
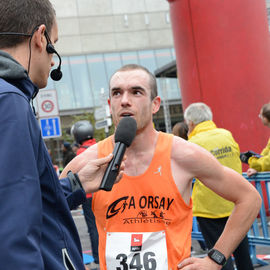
{"points": [[256, 162], [83, 133], [68, 153], [180, 129], [75, 146]]}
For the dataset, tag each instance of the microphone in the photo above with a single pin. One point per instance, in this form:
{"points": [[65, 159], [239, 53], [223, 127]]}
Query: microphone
{"points": [[56, 74], [124, 135]]}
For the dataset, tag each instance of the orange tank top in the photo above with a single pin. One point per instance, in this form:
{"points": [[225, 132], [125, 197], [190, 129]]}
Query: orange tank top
{"points": [[143, 223]]}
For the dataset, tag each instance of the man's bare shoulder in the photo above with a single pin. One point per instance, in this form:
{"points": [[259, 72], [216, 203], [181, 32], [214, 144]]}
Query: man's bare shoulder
{"points": [[190, 156], [184, 151], [184, 163], [193, 159]]}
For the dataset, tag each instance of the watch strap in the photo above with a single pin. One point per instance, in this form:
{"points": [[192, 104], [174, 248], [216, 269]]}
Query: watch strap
{"points": [[74, 181]]}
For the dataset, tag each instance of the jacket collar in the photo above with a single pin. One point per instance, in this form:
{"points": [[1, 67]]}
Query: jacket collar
{"points": [[14, 73], [202, 127]]}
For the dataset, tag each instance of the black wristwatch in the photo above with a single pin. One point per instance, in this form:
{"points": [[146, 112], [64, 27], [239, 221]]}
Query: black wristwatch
{"points": [[217, 257]]}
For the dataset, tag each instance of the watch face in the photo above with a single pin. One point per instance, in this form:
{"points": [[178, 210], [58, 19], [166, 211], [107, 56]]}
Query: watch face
{"points": [[217, 257]]}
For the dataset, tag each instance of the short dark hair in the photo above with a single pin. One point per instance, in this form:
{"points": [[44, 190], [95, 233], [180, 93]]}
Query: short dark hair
{"points": [[180, 129], [152, 78], [23, 16], [266, 111]]}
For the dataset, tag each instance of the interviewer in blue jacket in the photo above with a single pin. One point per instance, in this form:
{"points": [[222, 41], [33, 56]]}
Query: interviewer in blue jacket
{"points": [[36, 229]]}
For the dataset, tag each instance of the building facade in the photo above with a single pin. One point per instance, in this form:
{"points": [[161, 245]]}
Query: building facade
{"points": [[96, 37]]}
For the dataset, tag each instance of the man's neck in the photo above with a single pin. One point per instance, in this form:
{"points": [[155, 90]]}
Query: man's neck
{"points": [[20, 53], [144, 141], [141, 152]]}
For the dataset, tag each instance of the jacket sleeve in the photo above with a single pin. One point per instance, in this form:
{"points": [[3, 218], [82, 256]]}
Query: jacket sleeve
{"points": [[74, 199], [261, 164], [20, 194]]}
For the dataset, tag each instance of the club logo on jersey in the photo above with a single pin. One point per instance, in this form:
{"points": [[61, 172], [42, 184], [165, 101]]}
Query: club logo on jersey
{"points": [[116, 206], [136, 242], [150, 209]]}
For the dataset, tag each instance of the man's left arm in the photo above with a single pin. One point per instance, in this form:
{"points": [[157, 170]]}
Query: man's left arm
{"points": [[233, 187]]}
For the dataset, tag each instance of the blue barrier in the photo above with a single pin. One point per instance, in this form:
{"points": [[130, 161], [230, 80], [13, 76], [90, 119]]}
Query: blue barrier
{"points": [[259, 232]]}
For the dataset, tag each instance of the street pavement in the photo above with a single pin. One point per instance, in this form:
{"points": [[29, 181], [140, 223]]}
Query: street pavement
{"points": [[261, 250], [86, 245], [83, 233]]}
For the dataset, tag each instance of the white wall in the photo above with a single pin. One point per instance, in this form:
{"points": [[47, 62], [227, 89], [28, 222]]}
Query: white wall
{"points": [[94, 26]]}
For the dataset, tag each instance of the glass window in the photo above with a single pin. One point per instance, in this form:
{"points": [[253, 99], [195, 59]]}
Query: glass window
{"points": [[163, 57], [64, 88], [129, 58], [173, 53], [84, 76], [81, 83], [147, 59], [170, 86], [268, 15], [112, 63], [98, 76], [174, 93]]}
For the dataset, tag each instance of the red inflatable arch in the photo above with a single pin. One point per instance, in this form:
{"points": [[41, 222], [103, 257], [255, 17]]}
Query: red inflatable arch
{"points": [[223, 59]]}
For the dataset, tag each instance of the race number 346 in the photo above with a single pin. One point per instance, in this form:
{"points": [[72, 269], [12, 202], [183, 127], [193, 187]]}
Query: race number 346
{"points": [[139, 261], [136, 250]]}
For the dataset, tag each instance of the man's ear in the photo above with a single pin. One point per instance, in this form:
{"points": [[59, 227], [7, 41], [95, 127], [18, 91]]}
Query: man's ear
{"points": [[39, 39], [191, 126], [156, 104]]}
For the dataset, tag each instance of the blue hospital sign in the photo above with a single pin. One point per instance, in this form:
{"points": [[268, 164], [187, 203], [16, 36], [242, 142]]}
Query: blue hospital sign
{"points": [[50, 127]]}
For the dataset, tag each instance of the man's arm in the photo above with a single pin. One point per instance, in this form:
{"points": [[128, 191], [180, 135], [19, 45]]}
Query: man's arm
{"points": [[20, 194], [199, 163]]}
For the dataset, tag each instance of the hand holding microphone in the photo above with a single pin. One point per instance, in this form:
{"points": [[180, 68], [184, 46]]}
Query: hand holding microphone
{"points": [[124, 135], [91, 174]]}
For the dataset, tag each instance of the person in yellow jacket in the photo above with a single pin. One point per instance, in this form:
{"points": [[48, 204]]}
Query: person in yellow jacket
{"points": [[211, 210], [261, 164]]}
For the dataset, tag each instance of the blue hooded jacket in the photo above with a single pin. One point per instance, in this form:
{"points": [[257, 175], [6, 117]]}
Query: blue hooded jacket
{"points": [[37, 230]]}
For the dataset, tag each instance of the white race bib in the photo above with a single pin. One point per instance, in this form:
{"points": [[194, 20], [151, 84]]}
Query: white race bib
{"points": [[139, 251]]}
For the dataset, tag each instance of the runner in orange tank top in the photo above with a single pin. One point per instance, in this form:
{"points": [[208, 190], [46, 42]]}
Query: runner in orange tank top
{"points": [[145, 221], [141, 206]]}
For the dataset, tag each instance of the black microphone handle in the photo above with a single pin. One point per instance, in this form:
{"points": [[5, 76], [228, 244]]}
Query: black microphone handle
{"points": [[113, 168]]}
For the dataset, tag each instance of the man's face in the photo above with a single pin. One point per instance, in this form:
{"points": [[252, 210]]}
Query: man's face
{"points": [[45, 60], [130, 95]]}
